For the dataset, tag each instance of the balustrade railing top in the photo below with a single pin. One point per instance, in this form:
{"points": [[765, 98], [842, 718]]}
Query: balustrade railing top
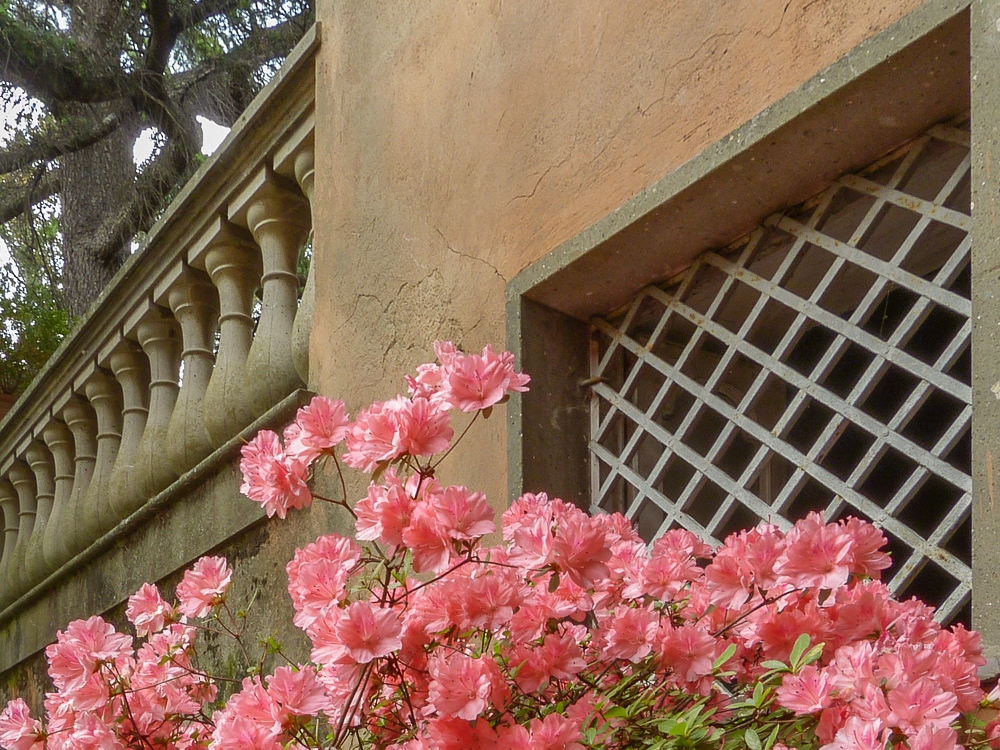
{"points": [[170, 363]]}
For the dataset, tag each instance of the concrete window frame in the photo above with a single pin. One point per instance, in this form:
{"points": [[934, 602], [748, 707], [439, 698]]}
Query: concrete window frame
{"points": [[939, 61]]}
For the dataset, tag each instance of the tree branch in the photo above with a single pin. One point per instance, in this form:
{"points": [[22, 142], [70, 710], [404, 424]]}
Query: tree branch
{"points": [[163, 34], [66, 140], [47, 66], [197, 13], [13, 203]]}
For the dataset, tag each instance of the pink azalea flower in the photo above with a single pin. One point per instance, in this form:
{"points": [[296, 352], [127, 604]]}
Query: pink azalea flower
{"points": [[148, 611], [689, 651], [365, 632], [372, 439], [428, 541], [79, 651], [858, 734], [579, 548], [18, 731], [628, 633], [473, 382], [817, 555], [318, 427], [559, 657], [555, 732], [807, 692], [384, 513], [318, 575], [462, 514], [296, 692], [93, 733], [460, 685], [869, 555], [525, 511], [931, 738], [203, 586], [424, 428], [921, 703], [271, 477]]}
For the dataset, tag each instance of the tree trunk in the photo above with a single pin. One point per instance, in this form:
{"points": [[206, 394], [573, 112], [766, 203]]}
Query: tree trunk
{"points": [[98, 180]]}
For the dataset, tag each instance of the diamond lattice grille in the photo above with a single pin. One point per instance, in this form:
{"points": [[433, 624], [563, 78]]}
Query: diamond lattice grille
{"points": [[822, 364]]}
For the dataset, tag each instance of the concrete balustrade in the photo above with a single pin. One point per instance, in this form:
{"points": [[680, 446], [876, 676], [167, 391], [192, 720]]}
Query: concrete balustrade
{"points": [[233, 264], [195, 304], [82, 423], [160, 338], [105, 396], [8, 503], [277, 216], [55, 544], [172, 363], [297, 161], [131, 369], [24, 485], [40, 460]]}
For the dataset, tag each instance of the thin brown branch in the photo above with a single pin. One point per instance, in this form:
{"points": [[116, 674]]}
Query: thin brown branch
{"points": [[199, 12], [12, 204], [67, 139]]}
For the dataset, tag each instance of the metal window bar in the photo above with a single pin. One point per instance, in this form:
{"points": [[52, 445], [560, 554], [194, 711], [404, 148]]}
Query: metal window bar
{"points": [[821, 364]]}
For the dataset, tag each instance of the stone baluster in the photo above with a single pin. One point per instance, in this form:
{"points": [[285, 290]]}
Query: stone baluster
{"points": [[82, 422], [194, 303], [160, 338], [40, 461], [304, 166], [8, 502], [23, 480], [105, 397], [233, 263], [55, 548], [278, 219], [131, 369]]}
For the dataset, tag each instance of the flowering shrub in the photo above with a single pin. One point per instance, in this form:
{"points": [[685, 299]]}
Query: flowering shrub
{"points": [[568, 634]]}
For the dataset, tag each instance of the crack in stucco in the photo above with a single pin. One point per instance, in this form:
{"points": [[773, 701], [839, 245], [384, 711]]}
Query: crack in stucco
{"points": [[780, 21], [472, 257]]}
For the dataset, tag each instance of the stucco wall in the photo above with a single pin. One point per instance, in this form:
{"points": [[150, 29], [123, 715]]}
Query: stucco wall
{"points": [[463, 140]]}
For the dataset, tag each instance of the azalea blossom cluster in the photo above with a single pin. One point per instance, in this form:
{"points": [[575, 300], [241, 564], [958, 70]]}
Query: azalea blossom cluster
{"points": [[570, 633], [112, 694]]}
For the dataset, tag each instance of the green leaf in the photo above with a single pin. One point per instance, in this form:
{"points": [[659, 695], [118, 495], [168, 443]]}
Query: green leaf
{"points": [[752, 739], [812, 655], [758, 692], [772, 738], [724, 656], [771, 664], [617, 712], [801, 644]]}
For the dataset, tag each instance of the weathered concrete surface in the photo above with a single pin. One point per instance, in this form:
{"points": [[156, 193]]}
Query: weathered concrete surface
{"points": [[985, 40], [464, 140]]}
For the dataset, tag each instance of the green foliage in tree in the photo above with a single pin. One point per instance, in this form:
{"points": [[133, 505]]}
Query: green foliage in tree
{"points": [[32, 325]]}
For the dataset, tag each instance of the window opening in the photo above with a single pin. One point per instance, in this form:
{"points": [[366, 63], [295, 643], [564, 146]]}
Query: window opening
{"points": [[822, 363]]}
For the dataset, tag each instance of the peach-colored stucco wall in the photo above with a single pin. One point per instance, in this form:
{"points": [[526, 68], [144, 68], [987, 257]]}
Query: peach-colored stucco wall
{"points": [[458, 141]]}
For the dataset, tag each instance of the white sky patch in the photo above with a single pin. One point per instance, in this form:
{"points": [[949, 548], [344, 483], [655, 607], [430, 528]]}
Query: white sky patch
{"points": [[144, 146], [212, 135]]}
